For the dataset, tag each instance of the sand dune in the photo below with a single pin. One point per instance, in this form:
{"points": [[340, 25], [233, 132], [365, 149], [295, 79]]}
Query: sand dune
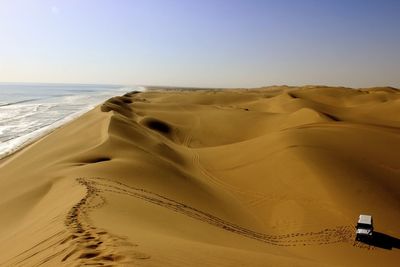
{"points": [[265, 177]]}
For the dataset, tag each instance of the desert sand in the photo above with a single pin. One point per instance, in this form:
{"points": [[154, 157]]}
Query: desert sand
{"points": [[273, 176]]}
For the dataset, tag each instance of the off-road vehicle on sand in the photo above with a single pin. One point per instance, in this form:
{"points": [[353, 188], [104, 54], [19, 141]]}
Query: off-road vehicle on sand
{"points": [[364, 228]]}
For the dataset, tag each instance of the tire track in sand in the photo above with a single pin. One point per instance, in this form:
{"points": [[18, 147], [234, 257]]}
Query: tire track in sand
{"points": [[339, 234]]}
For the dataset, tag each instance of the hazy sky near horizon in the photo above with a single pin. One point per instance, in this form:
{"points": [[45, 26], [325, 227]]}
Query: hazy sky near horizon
{"points": [[210, 43]]}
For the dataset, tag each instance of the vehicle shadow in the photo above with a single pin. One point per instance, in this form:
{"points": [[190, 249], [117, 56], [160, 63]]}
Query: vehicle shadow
{"points": [[384, 241]]}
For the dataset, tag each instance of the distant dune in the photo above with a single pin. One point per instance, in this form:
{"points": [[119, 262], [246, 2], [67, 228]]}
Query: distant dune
{"points": [[272, 176]]}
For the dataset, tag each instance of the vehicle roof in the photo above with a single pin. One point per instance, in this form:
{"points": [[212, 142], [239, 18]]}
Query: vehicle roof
{"points": [[367, 219]]}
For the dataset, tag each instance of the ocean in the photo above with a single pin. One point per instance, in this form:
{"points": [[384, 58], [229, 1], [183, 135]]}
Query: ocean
{"points": [[29, 111]]}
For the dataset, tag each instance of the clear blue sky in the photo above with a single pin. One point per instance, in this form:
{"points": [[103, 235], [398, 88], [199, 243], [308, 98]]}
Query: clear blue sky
{"points": [[218, 43]]}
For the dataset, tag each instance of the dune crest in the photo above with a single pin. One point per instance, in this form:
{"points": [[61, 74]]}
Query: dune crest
{"points": [[265, 177]]}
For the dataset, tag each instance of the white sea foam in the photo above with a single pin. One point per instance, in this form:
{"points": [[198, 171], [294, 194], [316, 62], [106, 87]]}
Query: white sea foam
{"points": [[39, 109]]}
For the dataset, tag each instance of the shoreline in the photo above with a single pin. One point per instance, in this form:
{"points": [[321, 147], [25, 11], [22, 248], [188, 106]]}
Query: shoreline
{"points": [[44, 134], [44, 131]]}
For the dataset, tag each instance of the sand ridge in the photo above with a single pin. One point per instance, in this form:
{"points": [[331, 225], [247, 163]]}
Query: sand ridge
{"points": [[264, 177]]}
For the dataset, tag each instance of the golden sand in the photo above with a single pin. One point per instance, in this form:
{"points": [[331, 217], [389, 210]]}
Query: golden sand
{"points": [[266, 177]]}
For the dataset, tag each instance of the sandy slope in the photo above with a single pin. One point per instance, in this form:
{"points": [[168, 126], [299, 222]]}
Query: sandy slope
{"points": [[268, 177]]}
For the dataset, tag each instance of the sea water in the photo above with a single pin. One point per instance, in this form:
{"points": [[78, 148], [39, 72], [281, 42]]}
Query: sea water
{"points": [[29, 111]]}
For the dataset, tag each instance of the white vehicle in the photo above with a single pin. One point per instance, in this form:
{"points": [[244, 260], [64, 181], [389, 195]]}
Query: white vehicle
{"points": [[364, 228]]}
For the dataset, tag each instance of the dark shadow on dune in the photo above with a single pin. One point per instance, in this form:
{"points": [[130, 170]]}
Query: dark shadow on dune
{"points": [[96, 160], [158, 126], [384, 241], [127, 101], [330, 116]]}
